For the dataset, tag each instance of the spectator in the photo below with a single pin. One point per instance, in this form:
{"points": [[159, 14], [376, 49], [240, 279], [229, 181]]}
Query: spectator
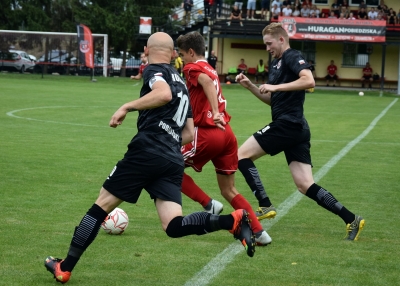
{"points": [[341, 16], [187, 6], [345, 4], [239, 4], [218, 3], [242, 67], [313, 15], [333, 15], [251, 7], [323, 15], [212, 60], [362, 5], [276, 11], [380, 17], [345, 12], [335, 8], [296, 12], [372, 14], [381, 4], [391, 20], [385, 11], [286, 2], [276, 2], [265, 6], [262, 71], [213, 9], [206, 8], [351, 16], [398, 17], [236, 15], [367, 75], [332, 69], [307, 3], [362, 15], [178, 63], [315, 10], [287, 11], [305, 11], [144, 63], [297, 5]]}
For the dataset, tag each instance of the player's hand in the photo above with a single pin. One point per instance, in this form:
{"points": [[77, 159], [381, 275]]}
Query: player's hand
{"points": [[265, 88], [118, 117], [219, 121], [243, 80]]}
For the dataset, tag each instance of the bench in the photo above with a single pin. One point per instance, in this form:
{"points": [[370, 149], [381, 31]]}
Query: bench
{"points": [[356, 82]]}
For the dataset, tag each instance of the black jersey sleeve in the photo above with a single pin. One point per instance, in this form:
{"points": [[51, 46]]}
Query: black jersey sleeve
{"points": [[296, 61]]}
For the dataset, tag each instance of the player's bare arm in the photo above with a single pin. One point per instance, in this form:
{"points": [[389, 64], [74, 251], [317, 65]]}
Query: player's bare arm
{"points": [[305, 81], [159, 96], [245, 82], [188, 132], [138, 76], [211, 93]]}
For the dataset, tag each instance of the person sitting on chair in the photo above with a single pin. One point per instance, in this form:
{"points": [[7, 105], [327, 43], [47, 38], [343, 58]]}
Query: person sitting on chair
{"points": [[236, 14], [367, 76], [242, 67], [331, 74], [262, 71]]}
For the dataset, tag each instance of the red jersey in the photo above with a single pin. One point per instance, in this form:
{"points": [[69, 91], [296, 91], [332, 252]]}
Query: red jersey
{"points": [[367, 71], [242, 66], [201, 108], [332, 69], [142, 67]]}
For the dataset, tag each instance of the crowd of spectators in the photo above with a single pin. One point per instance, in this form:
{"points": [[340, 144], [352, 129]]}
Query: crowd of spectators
{"points": [[339, 9]]}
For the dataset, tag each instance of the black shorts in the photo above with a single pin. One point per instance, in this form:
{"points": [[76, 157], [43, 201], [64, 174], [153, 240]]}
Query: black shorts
{"points": [[288, 137], [367, 77], [160, 177], [328, 77]]}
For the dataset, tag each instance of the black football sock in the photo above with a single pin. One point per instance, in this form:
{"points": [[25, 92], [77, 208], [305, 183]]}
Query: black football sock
{"points": [[84, 235], [329, 202], [198, 223], [250, 173]]}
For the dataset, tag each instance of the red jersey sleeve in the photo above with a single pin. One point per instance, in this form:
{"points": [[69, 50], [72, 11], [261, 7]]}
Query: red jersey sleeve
{"points": [[201, 108]]}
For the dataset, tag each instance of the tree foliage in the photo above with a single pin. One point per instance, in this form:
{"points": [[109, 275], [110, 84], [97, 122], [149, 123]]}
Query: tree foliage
{"points": [[118, 18]]}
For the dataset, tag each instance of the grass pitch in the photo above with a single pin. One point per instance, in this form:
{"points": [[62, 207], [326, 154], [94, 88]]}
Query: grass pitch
{"points": [[57, 149]]}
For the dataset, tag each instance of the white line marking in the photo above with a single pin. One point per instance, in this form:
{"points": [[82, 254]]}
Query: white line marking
{"points": [[219, 262], [12, 114]]}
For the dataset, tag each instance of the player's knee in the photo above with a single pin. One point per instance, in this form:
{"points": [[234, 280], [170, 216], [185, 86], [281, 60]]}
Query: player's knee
{"points": [[174, 227]]}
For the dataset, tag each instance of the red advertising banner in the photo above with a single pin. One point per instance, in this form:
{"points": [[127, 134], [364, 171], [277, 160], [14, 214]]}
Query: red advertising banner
{"points": [[327, 29], [145, 25], [85, 46]]}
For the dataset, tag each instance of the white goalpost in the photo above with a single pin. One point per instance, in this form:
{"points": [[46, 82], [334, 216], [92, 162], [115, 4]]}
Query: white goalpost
{"points": [[42, 44]]}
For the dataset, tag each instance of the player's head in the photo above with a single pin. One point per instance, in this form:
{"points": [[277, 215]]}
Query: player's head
{"points": [[143, 58], [276, 39], [160, 48], [191, 47]]}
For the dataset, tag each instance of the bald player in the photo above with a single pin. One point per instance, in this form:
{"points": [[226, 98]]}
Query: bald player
{"points": [[152, 162]]}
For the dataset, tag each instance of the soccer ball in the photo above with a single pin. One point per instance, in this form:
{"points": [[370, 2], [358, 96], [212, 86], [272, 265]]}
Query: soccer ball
{"points": [[116, 222], [361, 93]]}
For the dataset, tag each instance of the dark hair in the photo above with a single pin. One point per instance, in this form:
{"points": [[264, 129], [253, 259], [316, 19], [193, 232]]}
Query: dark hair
{"points": [[193, 40]]}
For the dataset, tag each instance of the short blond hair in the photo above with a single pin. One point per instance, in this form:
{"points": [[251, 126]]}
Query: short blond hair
{"points": [[276, 30]]}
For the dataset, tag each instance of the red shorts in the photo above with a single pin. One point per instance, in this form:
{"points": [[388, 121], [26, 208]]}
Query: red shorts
{"points": [[215, 145]]}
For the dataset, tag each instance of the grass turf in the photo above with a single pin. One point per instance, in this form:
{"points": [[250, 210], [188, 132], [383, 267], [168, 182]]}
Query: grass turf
{"points": [[56, 150]]}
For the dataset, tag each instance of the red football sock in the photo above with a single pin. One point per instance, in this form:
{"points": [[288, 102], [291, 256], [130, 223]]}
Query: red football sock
{"points": [[193, 191], [239, 202]]}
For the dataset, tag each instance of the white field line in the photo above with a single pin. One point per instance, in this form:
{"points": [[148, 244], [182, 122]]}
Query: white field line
{"points": [[221, 260]]}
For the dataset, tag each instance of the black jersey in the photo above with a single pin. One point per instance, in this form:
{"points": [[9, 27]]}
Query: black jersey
{"points": [[288, 105], [160, 129]]}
